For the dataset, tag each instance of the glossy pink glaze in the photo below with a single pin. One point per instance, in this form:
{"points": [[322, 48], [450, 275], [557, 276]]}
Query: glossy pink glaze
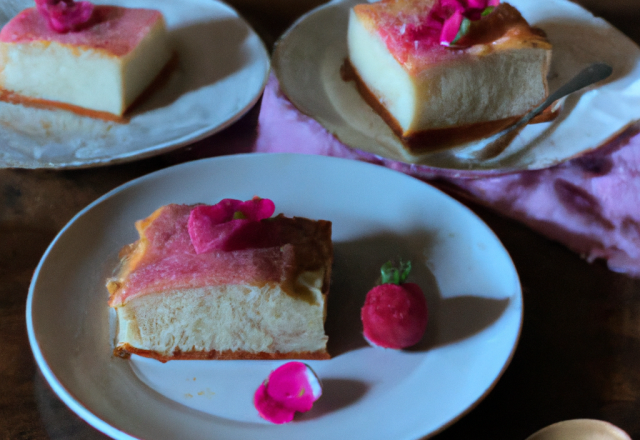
{"points": [[113, 29], [170, 261]]}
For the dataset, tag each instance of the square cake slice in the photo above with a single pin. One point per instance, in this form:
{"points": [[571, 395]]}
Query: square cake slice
{"points": [[98, 70], [434, 96], [263, 297]]}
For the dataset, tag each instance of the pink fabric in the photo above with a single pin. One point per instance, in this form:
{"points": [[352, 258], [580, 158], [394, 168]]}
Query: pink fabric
{"points": [[590, 204]]}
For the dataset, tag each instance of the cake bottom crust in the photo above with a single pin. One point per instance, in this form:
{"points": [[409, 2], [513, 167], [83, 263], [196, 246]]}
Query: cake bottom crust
{"points": [[435, 139], [15, 98], [126, 350]]}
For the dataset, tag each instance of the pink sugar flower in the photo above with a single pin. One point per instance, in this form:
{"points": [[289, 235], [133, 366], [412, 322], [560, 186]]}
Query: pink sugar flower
{"points": [[65, 15], [290, 388], [451, 27], [458, 15], [228, 225]]}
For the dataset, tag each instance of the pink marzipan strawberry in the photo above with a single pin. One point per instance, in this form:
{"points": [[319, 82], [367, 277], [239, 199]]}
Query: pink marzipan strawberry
{"points": [[395, 313]]}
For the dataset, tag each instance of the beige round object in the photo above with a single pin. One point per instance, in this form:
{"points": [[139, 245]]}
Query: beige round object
{"points": [[580, 429]]}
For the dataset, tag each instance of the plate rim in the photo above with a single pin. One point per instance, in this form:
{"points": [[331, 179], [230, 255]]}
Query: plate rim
{"points": [[94, 420]]}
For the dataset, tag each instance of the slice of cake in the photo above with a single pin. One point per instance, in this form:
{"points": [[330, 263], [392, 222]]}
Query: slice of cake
{"points": [[435, 92], [97, 68], [197, 285]]}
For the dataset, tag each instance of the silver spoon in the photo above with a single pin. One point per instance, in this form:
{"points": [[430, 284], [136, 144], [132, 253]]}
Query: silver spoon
{"points": [[500, 141]]}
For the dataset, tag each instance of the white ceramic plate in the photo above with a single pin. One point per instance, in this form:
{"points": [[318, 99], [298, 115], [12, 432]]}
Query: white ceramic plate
{"points": [[308, 57], [221, 72], [470, 282]]}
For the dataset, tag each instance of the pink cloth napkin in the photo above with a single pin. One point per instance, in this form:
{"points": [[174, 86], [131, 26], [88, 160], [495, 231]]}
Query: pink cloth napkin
{"points": [[590, 204]]}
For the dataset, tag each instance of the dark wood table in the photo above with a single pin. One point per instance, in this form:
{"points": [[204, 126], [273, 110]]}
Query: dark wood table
{"points": [[578, 356]]}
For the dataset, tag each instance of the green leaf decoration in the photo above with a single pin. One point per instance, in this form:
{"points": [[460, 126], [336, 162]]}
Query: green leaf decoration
{"points": [[239, 215], [390, 274], [464, 28], [488, 10]]}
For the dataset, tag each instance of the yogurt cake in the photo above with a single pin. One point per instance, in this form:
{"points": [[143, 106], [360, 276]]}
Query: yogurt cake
{"points": [[96, 69], [242, 289], [434, 94]]}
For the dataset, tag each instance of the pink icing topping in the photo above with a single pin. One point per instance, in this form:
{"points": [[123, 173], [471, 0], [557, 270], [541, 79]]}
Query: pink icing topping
{"points": [[229, 225], [277, 250], [65, 15], [113, 29], [290, 388], [171, 260]]}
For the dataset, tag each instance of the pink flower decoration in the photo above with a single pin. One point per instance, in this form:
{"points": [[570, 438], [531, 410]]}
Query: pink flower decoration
{"points": [[458, 13], [451, 27], [65, 15], [229, 225], [290, 388]]}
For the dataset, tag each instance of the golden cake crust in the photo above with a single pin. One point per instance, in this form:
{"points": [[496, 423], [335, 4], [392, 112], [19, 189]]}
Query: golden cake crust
{"points": [[126, 350]]}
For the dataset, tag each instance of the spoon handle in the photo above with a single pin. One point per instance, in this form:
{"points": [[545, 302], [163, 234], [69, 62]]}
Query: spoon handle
{"points": [[499, 142], [592, 74]]}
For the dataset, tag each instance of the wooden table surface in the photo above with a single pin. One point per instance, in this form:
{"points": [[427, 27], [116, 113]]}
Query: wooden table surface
{"points": [[579, 352]]}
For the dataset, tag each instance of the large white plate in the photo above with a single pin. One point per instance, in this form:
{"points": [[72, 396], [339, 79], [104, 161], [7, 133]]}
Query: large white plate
{"points": [[308, 57], [471, 285], [221, 72]]}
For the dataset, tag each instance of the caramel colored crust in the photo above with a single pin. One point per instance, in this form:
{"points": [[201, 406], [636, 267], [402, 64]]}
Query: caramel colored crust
{"points": [[428, 141], [14, 98], [314, 249], [125, 351]]}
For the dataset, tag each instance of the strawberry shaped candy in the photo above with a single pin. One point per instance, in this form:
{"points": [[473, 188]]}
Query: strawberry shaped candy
{"points": [[289, 388], [395, 313]]}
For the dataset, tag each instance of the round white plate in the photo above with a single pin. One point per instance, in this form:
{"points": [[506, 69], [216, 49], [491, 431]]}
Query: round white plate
{"points": [[221, 71], [308, 57], [469, 279]]}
